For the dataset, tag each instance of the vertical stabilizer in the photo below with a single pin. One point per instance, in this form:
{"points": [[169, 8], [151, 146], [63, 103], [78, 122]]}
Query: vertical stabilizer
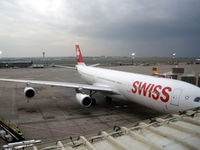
{"points": [[79, 55]]}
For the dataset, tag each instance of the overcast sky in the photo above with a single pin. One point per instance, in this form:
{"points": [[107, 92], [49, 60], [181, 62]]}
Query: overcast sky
{"points": [[102, 27]]}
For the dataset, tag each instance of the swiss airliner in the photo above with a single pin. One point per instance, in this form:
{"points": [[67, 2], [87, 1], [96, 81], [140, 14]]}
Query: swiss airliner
{"points": [[161, 94]]}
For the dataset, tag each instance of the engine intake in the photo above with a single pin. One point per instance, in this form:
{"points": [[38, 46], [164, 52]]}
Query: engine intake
{"points": [[84, 99], [29, 92]]}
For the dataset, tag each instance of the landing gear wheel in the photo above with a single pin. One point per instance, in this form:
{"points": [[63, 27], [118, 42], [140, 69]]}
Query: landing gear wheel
{"points": [[109, 100], [93, 102]]}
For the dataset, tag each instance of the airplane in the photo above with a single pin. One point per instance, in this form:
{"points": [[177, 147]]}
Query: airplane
{"points": [[161, 94]]}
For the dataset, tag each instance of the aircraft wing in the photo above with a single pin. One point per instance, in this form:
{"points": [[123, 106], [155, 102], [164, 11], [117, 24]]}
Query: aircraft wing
{"points": [[65, 84]]}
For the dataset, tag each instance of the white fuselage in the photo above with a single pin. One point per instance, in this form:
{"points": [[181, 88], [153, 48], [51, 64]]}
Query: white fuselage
{"points": [[161, 94]]}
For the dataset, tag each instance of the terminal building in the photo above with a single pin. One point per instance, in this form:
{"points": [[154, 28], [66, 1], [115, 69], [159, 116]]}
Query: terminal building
{"points": [[15, 64], [178, 74]]}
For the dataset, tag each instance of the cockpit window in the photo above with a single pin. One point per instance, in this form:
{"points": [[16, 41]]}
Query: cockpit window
{"points": [[197, 99]]}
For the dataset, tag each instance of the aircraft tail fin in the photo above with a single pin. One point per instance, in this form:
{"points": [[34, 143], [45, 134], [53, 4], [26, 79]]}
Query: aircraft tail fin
{"points": [[79, 55]]}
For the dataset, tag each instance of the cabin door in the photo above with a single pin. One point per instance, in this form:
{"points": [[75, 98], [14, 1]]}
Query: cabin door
{"points": [[176, 97]]}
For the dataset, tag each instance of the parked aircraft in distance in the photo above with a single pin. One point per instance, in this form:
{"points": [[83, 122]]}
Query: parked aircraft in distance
{"points": [[161, 94]]}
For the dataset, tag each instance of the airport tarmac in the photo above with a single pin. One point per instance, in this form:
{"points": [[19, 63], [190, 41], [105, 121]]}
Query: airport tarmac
{"points": [[54, 114]]}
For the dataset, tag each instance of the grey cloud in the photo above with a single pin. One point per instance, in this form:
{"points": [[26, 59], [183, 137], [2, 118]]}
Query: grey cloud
{"points": [[166, 23], [175, 19], [153, 28]]}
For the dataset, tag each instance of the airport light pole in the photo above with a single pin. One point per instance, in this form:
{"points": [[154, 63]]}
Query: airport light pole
{"points": [[43, 54], [43, 58], [133, 57], [173, 57], [0, 53]]}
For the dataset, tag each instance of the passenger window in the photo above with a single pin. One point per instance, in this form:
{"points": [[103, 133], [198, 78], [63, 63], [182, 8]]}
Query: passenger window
{"points": [[197, 99]]}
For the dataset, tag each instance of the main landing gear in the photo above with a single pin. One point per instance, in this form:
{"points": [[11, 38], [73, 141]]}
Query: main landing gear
{"points": [[108, 100], [93, 100]]}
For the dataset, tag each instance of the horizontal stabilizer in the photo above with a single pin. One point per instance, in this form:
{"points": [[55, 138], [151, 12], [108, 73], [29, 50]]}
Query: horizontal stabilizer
{"points": [[94, 65], [67, 67]]}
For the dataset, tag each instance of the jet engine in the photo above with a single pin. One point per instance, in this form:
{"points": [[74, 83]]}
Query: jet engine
{"points": [[84, 99], [29, 92]]}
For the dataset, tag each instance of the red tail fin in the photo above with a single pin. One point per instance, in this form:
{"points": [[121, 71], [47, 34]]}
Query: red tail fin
{"points": [[79, 55]]}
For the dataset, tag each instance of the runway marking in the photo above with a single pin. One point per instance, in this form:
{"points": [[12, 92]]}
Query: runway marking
{"points": [[45, 121], [67, 118], [50, 130]]}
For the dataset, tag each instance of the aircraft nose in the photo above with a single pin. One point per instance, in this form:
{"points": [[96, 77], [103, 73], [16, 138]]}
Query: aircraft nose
{"points": [[197, 98]]}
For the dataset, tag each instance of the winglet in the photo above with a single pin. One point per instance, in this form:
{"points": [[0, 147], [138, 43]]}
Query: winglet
{"points": [[79, 55]]}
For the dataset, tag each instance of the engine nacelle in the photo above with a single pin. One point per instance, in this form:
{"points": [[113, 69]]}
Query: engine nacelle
{"points": [[29, 92], [84, 99]]}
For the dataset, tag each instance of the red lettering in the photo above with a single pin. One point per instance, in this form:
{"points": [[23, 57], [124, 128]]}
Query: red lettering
{"points": [[144, 88], [154, 90], [156, 93], [140, 89], [134, 90], [166, 94], [151, 90]]}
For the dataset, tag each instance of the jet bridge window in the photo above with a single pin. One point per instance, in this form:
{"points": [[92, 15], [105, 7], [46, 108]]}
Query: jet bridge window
{"points": [[197, 99]]}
